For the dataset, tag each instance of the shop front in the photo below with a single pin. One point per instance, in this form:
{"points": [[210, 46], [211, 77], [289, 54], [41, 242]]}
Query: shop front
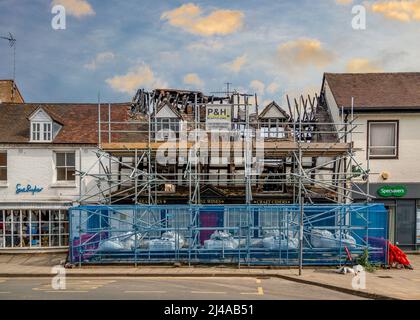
{"points": [[34, 226], [402, 200]]}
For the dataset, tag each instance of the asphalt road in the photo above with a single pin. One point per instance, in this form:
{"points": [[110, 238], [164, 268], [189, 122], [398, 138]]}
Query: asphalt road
{"points": [[165, 289]]}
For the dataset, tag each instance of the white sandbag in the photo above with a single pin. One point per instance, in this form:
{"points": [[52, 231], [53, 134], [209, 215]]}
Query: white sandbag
{"points": [[175, 237], [323, 239], [281, 242], [169, 241], [221, 240], [110, 245], [346, 239], [221, 244], [161, 245]]}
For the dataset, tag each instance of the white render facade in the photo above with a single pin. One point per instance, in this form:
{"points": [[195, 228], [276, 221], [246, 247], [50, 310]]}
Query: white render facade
{"points": [[36, 196], [389, 140]]}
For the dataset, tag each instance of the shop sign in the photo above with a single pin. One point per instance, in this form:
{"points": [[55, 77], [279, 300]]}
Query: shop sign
{"points": [[28, 189], [392, 191], [218, 117]]}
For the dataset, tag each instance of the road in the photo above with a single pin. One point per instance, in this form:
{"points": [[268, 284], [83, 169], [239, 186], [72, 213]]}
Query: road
{"points": [[164, 288]]}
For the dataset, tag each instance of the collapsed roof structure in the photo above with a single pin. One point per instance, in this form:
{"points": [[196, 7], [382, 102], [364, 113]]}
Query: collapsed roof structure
{"points": [[225, 150]]}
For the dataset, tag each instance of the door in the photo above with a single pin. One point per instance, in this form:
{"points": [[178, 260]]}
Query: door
{"points": [[391, 222], [405, 224]]}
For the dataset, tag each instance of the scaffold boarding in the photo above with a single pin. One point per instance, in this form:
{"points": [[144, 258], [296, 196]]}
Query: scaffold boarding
{"points": [[228, 234]]}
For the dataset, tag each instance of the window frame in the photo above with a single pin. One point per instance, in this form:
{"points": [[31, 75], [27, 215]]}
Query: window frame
{"points": [[41, 129], [4, 167], [397, 142], [65, 166]]}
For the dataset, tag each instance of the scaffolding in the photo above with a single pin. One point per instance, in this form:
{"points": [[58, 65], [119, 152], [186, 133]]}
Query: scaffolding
{"points": [[173, 149]]}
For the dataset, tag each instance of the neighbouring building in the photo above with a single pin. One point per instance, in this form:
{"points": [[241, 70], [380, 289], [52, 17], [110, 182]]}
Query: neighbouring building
{"points": [[386, 108], [43, 150], [9, 92]]}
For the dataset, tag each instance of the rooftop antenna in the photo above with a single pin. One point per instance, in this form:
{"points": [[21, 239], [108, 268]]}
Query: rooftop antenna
{"points": [[12, 44]]}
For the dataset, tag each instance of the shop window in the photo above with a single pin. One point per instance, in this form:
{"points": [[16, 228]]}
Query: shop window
{"points": [[33, 228], [237, 220], [382, 139], [65, 166], [3, 166], [179, 221]]}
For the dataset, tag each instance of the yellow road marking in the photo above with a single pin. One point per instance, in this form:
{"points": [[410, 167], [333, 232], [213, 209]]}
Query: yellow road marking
{"points": [[258, 281], [260, 291]]}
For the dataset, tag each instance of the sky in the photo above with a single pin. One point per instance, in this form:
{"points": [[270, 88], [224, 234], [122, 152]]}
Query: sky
{"points": [[271, 48]]}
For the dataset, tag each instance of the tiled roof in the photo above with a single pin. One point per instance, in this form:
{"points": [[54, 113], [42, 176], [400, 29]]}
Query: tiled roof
{"points": [[372, 91], [79, 121], [7, 94]]}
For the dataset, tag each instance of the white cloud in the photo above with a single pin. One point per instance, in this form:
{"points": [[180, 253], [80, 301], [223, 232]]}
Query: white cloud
{"points": [[77, 8], [304, 52], [258, 86], [193, 79], [403, 10], [273, 87], [362, 66], [190, 18], [237, 64], [100, 58], [140, 76]]}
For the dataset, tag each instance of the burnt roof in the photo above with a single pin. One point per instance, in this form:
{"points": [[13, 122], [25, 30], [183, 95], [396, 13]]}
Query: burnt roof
{"points": [[373, 91], [79, 121]]}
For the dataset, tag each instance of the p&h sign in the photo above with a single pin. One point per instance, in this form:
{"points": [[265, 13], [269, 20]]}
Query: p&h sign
{"points": [[218, 116]]}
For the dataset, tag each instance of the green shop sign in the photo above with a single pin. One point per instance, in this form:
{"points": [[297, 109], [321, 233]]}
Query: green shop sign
{"points": [[392, 191]]}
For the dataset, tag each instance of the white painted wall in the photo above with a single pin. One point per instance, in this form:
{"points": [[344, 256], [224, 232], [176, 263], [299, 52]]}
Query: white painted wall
{"points": [[406, 167], [35, 165], [403, 169]]}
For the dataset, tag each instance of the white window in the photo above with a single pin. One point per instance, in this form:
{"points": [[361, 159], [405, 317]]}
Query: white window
{"points": [[272, 128], [382, 139], [166, 128], [41, 131], [3, 166], [65, 166]]}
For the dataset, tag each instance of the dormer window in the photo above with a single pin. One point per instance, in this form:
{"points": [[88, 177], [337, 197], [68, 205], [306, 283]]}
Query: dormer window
{"points": [[43, 128], [41, 131]]}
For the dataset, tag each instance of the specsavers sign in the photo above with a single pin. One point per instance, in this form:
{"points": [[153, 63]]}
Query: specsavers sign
{"points": [[392, 191]]}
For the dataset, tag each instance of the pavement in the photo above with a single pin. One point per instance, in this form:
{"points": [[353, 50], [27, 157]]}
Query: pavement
{"points": [[381, 284]]}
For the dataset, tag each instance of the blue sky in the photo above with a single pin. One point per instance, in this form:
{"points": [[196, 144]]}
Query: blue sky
{"points": [[268, 47]]}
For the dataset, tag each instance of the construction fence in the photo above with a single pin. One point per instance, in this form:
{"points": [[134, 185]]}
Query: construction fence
{"points": [[228, 234]]}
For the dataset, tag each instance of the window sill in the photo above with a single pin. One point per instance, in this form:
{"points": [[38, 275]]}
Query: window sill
{"points": [[4, 185], [63, 185]]}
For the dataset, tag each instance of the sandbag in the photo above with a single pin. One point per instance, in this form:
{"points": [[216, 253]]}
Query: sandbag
{"points": [[110, 245], [221, 240], [281, 242], [322, 239]]}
